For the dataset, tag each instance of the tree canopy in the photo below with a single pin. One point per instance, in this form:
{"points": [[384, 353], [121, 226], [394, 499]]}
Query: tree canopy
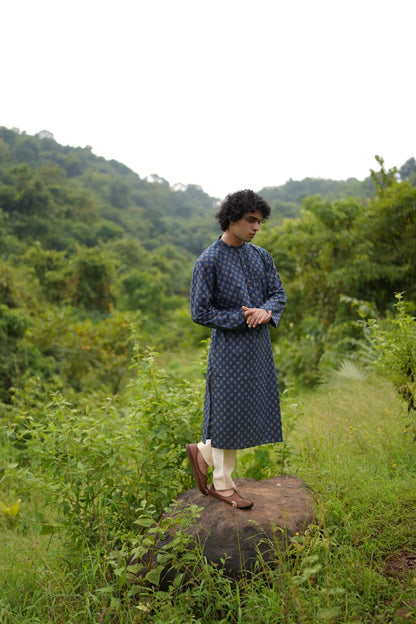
{"points": [[90, 252]]}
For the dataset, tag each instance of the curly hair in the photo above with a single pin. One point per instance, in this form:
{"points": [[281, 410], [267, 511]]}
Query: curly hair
{"points": [[238, 204]]}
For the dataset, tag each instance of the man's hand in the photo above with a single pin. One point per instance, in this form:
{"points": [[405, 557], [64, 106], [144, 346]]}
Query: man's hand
{"points": [[256, 316]]}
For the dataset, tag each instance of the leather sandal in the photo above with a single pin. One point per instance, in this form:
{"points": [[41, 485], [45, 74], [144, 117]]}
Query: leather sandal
{"points": [[235, 499], [200, 477]]}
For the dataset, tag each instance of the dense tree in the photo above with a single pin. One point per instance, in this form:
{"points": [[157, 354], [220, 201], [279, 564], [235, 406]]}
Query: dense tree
{"points": [[92, 279], [287, 199], [87, 248], [4, 152], [26, 150], [341, 257], [387, 237], [13, 324], [51, 270], [408, 170], [144, 291], [119, 193]]}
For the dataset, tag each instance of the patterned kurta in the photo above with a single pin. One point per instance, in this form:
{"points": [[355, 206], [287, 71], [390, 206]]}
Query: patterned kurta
{"points": [[242, 407]]}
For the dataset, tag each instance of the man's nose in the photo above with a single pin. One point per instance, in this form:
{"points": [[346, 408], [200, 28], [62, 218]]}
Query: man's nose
{"points": [[256, 225]]}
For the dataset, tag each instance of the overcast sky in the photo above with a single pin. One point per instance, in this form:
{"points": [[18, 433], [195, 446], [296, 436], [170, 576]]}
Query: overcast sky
{"points": [[226, 94]]}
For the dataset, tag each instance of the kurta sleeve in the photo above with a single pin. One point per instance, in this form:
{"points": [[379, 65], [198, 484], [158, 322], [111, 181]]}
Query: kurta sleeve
{"points": [[275, 294], [203, 310]]}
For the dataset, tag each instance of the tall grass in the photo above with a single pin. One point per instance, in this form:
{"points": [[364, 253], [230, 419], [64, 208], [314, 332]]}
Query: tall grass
{"points": [[349, 447]]}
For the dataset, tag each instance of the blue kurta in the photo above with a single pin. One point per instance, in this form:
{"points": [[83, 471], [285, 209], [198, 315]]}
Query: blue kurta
{"points": [[242, 407]]}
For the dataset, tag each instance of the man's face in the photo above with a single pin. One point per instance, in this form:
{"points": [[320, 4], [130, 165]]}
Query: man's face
{"points": [[245, 229]]}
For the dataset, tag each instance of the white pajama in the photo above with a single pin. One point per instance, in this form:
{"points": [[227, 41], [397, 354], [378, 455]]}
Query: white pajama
{"points": [[223, 461]]}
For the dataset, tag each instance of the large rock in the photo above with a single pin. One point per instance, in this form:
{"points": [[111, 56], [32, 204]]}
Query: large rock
{"points": [[283, 507]]}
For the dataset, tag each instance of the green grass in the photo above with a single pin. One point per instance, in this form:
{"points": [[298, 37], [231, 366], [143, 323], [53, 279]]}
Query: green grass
{"points": [[349, 447]]}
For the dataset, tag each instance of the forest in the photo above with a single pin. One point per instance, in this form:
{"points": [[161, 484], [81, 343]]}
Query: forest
{"points": [[102, 372]]}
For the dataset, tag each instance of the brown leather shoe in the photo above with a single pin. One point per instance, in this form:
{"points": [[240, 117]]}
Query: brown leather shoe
{"points": [[235, 499], [200, 477]]}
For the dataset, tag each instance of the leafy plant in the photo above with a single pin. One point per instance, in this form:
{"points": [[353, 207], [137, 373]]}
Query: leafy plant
{"points": [[96, 466], [395, 343]]}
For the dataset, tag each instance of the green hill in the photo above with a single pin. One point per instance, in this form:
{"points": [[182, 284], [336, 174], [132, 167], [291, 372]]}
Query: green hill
{"points": [[64, 195], [89, 250]]}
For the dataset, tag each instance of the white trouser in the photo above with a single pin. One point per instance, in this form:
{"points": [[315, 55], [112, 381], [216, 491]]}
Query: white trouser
{"points": [[223, 461]]}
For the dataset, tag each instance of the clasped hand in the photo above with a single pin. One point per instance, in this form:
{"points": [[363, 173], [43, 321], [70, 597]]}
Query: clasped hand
{"points": [[256, 316]]}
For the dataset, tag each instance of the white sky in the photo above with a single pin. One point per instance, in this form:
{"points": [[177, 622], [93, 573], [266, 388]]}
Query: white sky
{"points": [[226, 94]]}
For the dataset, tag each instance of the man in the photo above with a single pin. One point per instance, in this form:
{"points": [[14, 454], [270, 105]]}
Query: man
{"points": [[236, 291]]}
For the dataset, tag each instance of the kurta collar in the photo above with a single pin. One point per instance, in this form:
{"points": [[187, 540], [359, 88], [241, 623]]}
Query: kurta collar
{"points": [[221, 242]]}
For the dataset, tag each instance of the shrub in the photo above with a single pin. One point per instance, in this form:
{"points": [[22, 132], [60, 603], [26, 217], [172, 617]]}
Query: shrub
{"points": [[97, 467], [395, 344]]}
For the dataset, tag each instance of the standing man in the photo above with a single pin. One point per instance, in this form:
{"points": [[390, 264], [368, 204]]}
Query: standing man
{"points": [[236, 291]]}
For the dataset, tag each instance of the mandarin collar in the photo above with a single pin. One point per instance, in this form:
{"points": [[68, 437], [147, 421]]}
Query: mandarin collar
{"points": [[239, 248]]}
